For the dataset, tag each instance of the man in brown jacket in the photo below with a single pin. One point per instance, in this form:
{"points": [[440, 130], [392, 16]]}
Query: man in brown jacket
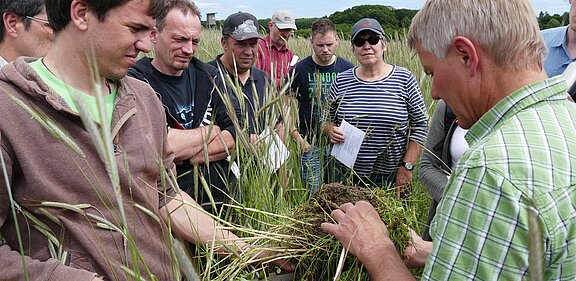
{"points": [[74, 206]]}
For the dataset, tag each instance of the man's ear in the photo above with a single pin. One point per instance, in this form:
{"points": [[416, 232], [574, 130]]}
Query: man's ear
{"points": [[79, 11], [154, 35], [10, 20], [223, 43], [467, 53]]}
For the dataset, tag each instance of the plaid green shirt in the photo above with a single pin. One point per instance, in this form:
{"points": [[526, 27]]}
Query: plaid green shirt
{"points": [[522, 155]]}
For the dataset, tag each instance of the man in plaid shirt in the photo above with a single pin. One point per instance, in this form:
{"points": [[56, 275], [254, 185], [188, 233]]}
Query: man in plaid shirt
{"points": [[509, 209]]}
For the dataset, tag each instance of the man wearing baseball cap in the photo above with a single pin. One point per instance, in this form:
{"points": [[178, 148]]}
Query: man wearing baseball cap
{"points": [[274, 57], [240, 44]]}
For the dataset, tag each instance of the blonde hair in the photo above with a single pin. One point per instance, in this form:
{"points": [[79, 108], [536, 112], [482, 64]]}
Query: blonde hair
{"points": [[506, 29]]}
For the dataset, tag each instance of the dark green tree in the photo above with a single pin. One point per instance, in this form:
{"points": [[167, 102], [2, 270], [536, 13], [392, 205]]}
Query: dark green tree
{"points": [[552, 23], [383, 14], [546, 20], [404, 17]]}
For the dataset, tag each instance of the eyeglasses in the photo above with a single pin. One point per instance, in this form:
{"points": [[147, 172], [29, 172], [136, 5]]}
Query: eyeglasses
{"points": [[372, 40], [44, 22]]}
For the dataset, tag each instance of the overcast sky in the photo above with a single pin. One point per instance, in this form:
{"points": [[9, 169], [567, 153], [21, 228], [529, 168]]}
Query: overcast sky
{"points": [[313, 8]]}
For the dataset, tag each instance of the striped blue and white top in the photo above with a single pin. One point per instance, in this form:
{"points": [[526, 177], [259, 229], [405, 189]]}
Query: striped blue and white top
{"points": [[389, 111]]}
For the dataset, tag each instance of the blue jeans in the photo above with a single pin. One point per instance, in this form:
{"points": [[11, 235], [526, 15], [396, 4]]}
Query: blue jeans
{"points": [[375, 180], [311, 169]]}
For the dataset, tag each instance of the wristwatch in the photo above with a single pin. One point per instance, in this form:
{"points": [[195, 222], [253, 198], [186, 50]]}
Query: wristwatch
{"points": [[409, 166]]}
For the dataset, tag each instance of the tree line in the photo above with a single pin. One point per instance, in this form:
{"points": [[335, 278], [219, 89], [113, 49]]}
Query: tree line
{"points": [[546, 20], [394, 21]]}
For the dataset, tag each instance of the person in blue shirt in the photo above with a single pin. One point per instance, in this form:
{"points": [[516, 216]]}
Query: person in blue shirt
{"points": [[561, 43], [311, 85]]}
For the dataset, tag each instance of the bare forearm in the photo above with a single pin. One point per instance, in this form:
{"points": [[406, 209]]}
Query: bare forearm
{"points": [[388, 266], [187, 143], [187, 219], [218, 149], [404, 176], [412, 152], [201, 158]]}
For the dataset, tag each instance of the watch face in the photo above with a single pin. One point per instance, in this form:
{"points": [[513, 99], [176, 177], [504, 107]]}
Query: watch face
{"points": [[409, 166]]}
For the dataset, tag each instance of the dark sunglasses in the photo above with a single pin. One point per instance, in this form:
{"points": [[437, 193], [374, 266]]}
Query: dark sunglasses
{"points": [[372, 40]]}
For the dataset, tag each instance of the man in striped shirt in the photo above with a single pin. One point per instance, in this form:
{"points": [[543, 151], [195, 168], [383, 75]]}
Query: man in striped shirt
{"points": [[508, 212]]}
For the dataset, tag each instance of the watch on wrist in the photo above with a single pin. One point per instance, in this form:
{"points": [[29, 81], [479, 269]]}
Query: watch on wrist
{"points": [[409, 166]]}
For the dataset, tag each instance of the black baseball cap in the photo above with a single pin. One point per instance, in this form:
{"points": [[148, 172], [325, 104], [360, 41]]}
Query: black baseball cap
{"points": [[241, 26]]}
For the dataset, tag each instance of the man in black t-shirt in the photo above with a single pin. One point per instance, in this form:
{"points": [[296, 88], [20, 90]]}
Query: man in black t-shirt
{"points": [[201, 131], [312, 78]]}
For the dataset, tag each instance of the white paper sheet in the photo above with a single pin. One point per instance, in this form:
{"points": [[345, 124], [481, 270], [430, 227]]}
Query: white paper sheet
{"points": [[277, 152], [347, 151]]}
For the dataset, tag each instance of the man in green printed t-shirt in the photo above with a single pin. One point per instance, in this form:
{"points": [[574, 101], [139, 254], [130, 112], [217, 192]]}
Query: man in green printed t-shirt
{"points": [[485, 58]]}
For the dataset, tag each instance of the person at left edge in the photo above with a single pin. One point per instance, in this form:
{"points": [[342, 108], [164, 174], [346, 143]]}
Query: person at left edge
{"points": [[47, 155], [24, 30]]}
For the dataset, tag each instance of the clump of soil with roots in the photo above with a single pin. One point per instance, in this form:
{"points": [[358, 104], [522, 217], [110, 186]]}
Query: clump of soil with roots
{"points": [[322, 252]]}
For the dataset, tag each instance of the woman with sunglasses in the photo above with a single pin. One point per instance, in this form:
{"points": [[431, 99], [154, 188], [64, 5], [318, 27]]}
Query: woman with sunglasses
{"points": [[385, 102]]}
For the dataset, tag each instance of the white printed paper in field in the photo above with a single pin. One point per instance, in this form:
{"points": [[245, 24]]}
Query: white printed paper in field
{"points": [[277, 152], [234, 167], [347, 151], [294, 60]]}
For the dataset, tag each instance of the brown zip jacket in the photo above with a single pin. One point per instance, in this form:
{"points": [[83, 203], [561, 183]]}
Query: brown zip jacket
{"points": [[40, 168]]}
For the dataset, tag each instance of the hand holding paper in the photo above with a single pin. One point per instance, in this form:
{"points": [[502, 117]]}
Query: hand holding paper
{"points": [[347, 151]]}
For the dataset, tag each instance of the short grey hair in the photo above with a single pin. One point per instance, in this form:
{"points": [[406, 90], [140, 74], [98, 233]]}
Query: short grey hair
{"points": [[506, 29], [183, 5]]}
